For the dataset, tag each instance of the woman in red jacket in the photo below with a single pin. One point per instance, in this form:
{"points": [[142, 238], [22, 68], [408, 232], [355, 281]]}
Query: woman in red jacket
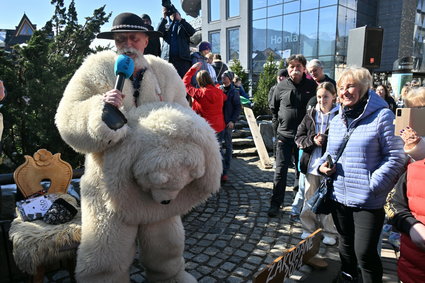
{"points": [[207, 100]]}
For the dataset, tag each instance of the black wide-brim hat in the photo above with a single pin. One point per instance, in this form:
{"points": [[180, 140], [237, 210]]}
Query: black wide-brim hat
{"points": [[128, 22]]}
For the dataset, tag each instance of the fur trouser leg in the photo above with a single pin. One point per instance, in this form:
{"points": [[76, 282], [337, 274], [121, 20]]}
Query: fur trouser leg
{"points": [[161, 250], [107, 246]]}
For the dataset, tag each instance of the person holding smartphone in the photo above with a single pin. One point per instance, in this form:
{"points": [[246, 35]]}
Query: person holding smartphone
{"points": [[414, 144]]}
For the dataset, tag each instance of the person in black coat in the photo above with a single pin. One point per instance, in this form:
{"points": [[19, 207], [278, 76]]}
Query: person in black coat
{"points": [[177, 35], [288, 106], [154, 45]]}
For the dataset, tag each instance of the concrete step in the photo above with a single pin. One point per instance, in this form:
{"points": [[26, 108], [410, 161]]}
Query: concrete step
{"points": [[243, 142], [247, 151], [241, 133], [240, 124]]}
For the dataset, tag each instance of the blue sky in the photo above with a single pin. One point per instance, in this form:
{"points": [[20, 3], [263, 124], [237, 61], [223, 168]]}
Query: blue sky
{"points": [[40, 11]]}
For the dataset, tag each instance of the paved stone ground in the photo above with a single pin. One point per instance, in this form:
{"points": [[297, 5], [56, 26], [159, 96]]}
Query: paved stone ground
{"points": [[230, 237]]}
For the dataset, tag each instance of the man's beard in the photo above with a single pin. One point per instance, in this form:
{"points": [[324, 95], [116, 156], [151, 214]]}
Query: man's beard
{"points": [[130, 51]]}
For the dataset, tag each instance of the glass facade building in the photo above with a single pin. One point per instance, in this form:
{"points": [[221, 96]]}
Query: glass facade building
{"points": [[315, 28]]}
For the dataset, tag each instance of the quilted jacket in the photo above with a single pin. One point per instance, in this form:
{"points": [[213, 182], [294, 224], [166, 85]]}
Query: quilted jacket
{"points": [[373, 158]]}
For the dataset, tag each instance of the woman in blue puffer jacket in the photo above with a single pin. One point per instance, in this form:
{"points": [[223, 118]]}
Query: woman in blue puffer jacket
{"points": [[367, 170]]}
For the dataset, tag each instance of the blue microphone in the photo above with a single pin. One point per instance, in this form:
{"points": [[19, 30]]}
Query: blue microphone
{"points": [[124, 68], [113, 118]]}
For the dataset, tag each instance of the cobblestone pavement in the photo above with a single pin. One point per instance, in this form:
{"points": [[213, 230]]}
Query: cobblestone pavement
{"points": [[230, 237]]}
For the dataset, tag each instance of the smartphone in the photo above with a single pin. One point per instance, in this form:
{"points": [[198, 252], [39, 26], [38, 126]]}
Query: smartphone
{"points": [[412, 117], [330, 162]]}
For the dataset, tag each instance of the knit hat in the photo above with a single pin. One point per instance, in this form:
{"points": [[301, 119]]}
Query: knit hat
{"points": [[204, 45], [228, 74]]}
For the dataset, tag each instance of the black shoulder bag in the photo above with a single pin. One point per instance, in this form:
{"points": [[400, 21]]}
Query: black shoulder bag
{"points": [[320, 202]]}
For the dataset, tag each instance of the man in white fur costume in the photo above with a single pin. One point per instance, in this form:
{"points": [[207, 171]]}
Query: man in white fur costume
{"points": [[141, 177]]}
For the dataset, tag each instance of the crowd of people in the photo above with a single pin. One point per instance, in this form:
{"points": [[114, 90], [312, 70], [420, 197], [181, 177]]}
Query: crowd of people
{"points": [[345, 130]]}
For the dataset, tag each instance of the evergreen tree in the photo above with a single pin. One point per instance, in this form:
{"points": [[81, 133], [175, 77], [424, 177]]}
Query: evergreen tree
{"points": [[36, 75], [237, 68], [266, 81]]}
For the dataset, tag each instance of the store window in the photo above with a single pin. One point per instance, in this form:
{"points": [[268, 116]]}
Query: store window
{"points": [[233, 43], [259, 14], [274, 11], [308, 32], [274, 34], [233, 8], [291, 7], [327, 30], [324, 3], [259, 33], [346, 21], [214, 39], [258, 4], [214, 10], [328, 65], [309, 4], [291, 31]]}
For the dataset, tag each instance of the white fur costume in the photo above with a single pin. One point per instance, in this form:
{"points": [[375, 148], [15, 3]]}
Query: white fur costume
{"points": [[164, 152]]}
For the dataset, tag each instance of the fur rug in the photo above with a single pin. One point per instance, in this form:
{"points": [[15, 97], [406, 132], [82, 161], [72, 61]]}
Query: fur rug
{"points": [[38, 243]]}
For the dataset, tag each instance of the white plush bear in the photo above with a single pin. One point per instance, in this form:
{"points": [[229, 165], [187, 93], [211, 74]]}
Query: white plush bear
{"points": [[141, 178]]}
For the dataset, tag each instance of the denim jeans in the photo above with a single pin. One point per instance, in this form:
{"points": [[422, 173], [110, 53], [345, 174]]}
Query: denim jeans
{"points": [[359, 231], [226, 147], [297, 204], [285, 150]]}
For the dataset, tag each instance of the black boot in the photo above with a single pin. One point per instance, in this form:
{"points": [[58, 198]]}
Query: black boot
{"points": [[344, 277]]}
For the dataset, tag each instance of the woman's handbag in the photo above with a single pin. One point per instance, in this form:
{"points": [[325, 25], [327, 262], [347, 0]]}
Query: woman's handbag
{"points": [[320, 202]]}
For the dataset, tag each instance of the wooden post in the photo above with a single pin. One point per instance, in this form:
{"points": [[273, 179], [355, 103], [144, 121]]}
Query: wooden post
{"points": [[258, 139], [290, 261]]}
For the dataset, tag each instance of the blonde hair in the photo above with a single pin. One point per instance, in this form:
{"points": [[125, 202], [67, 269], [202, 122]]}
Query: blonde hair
{"points": [[404, 91], [415, 97], [203, 78], [209, 56], [328, 86], [359, 76]]}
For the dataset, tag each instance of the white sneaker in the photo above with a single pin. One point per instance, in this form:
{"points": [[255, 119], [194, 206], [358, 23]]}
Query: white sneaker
{"points": [[305, 235], [329, 241]]}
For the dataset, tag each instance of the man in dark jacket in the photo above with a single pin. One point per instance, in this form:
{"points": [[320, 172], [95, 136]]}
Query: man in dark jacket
{"points": [[288, 106], [231, 111], [282, 74], [219, 66], [154, 45], [177, 35]]}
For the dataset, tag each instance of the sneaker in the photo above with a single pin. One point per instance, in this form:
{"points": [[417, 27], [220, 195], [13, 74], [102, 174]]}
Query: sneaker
{"points": [[304, 235], [294, 218], [329, 241], [273, 211]]}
